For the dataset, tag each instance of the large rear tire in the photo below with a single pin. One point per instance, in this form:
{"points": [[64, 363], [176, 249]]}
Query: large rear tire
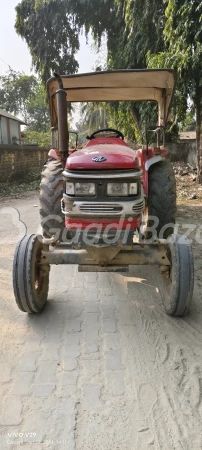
{"points": [[51, 192], [178, 281], [30, 278], [161, 198]]}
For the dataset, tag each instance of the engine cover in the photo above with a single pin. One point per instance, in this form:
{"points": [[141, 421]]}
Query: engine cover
{"points": [[103, 154]]}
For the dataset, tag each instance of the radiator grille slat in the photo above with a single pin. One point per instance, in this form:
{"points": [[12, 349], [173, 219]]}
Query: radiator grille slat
{"points": [[100, 208], [138, 207]]}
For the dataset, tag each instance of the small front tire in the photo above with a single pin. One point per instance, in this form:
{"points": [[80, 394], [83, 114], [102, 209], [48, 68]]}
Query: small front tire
{"points": [[178, 281], [30, 278]]}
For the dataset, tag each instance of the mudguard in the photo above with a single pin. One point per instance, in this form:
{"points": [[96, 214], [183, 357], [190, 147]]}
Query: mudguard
{"points": [[146, 161]]}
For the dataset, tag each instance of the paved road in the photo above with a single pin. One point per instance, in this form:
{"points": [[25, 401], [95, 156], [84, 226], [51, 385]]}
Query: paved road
{"points": [[103, 367]]}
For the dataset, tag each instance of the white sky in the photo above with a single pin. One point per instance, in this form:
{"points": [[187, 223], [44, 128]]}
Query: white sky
{"points": [[14, 51]]}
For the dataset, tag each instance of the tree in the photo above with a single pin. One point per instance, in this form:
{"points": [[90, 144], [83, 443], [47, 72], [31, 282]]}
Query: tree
{"points": [[43, 139], [51, 30], [183, 39], [137, 28], [38, 110], [15, 91], [94, 116], [25, 95], [190, 121]]}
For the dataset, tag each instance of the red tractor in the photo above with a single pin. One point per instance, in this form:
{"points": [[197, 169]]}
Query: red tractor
{"points": [[106, 206]]}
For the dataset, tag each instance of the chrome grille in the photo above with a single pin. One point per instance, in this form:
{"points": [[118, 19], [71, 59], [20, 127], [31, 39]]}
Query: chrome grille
{"points": [[100, 208], [138, 208]]}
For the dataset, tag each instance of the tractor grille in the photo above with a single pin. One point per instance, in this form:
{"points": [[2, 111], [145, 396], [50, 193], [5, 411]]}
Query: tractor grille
{"points": [[138, 208], [100, 208]]}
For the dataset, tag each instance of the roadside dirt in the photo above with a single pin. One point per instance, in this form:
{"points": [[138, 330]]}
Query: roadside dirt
{"points": [[158, 405]]}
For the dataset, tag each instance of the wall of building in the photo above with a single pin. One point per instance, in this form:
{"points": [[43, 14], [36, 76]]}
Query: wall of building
{"points": [[14, 131], [9, 131], [183, 151], [3, 130], [16, 161]]}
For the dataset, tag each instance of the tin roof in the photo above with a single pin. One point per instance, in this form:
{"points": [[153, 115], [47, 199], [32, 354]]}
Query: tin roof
{"points": [[187, 135], [4, 113]]}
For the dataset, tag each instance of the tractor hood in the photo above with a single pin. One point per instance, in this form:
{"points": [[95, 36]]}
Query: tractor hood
{"points": [[103, 157]]}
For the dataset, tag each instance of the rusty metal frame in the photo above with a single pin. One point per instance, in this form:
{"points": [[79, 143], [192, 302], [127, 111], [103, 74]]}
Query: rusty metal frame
{"points": [[139, 254]]}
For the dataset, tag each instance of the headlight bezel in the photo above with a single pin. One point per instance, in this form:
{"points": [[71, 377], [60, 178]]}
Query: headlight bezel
{"points": [[75, 189], [131, 189], [100, 189]]}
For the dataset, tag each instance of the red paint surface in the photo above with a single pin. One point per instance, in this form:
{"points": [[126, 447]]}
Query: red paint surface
{"points": [[106, 140], [54, 154], [141, 154], [118, 156], [118, 224]]}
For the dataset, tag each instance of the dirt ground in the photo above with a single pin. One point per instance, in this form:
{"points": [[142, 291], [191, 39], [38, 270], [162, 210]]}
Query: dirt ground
{"points": [[134, 378]]}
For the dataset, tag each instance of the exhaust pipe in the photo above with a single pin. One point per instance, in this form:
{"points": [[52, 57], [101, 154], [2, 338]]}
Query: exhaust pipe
{"points": [[63, 132]]}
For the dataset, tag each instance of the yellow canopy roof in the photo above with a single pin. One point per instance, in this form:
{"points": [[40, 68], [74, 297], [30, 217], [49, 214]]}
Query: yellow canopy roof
{"points": [[123, 85]]}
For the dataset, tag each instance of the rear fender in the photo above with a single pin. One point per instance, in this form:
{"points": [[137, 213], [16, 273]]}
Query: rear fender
{"points": [[147, 161], [55, 154]]}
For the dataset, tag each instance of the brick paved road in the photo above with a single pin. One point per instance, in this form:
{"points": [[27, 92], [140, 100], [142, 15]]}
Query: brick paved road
{"points": [[102, 368]]}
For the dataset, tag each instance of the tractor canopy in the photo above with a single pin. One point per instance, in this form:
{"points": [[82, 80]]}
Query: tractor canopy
{"points": [[124, 85]]}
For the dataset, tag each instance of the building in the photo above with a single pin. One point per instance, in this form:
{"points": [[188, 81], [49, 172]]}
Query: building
{"points": [[10, 132], [188, 136]]}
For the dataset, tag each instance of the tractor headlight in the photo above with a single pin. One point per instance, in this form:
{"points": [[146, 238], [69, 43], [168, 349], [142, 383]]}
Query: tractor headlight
{"points": [[80, 189], [84, 189], [133, 189], [122, 189], [70, 190]]}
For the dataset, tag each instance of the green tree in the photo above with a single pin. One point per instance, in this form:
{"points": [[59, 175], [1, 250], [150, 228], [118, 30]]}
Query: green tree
{"points": [[43, 139], [38, 110], [137, 28], [183, 40], [51, 30], [25, 96], [15, 91], [94, 116], [190, 121]]}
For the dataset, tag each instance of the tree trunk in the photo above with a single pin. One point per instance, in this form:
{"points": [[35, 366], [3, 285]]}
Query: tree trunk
{"points": [[198, 134], [135, 116]]}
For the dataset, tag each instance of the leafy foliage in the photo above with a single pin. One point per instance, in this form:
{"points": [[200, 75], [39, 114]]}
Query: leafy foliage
{"points": [[25, 95], [43, 139], [15, 92], [183, 40], [94, 116], [138, 28], [38, 110], [51, 30]]}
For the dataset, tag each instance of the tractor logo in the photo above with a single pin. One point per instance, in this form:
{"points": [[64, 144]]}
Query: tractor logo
{"points": [[99, 159]]}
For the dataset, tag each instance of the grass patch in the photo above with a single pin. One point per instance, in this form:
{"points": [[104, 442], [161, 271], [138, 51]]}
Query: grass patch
{"points": [[30, 182]]}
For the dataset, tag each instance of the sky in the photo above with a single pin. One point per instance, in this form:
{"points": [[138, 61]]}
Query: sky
{"points": [[14, 51]]}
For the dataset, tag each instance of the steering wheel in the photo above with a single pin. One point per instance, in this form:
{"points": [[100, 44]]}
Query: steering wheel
{"points": [[118, 133]]}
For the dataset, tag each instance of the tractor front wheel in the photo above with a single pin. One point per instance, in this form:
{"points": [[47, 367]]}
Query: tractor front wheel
{"points": [[30, 278], [178, 280]]}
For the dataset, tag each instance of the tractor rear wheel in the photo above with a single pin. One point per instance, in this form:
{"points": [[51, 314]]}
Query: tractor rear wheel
{"points": [[178, 280], [161, 199], [30, 278], [51, 191]]}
